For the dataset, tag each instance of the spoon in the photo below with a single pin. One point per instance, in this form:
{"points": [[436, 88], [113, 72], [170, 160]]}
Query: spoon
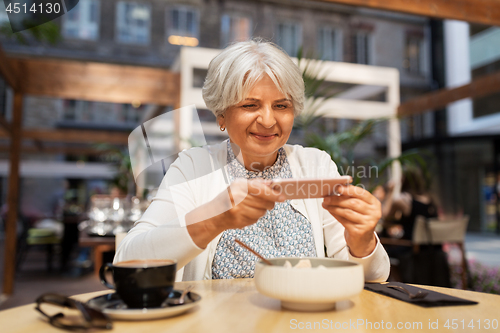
{"points": [[418, 295], [253, 251], [180, 300]]}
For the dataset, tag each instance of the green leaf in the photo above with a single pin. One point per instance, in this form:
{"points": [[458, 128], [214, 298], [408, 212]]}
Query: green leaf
{"points": [[47, 32]]}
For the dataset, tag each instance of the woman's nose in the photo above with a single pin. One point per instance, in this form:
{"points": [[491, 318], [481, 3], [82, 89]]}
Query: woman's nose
{"points": [[266, 117]]}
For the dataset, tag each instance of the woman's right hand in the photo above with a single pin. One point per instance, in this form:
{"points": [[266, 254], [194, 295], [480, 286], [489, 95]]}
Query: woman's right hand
{"points": [[250, 200], [242, 204]]}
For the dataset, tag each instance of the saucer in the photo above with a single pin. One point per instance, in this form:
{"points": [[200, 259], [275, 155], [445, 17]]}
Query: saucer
{"points": [[115, 308]]}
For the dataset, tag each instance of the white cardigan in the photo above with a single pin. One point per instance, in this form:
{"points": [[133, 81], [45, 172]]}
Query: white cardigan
{"points": [[196, 178]]}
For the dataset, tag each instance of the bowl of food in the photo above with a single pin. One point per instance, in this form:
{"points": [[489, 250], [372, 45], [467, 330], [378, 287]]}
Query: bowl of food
{"points": [[309, 284]]}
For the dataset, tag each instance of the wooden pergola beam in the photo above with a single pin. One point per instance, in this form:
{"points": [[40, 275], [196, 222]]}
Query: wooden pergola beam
{"points": [[73, 136], [82, 136], [482, 86], [7, 71], [8, 74], [476, 11], [97, 81], [58, 150]]}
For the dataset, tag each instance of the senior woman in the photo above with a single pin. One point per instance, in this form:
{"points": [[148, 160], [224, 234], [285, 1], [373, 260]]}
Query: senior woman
{"points": [[213, 194]]}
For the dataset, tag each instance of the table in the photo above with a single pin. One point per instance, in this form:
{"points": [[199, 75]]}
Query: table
{"points": [[70, 236], [99, 245], [236, 306], [396, 241]]}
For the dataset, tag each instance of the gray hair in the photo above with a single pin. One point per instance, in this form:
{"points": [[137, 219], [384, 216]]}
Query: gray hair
{"points": [[234, 72]]}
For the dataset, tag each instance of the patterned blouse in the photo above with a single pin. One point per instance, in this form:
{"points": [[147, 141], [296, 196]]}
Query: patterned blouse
{"points": [[282, 232]]}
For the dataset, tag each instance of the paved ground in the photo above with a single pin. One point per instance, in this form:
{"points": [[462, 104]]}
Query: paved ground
{"points": [[33, 280], [483, 248]]}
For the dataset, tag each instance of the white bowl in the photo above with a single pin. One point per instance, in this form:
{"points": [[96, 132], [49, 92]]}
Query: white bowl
{"points": [[309, 289]]}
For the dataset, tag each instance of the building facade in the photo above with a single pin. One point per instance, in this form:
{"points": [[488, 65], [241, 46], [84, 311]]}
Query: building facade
{"points": [[465, 137], [151, 33]]}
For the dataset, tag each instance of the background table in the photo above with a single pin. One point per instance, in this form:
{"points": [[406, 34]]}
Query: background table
{"points": [[98, 245], [236, 306]]}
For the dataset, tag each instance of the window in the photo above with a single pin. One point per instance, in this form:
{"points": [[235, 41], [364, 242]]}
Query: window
{"points": [[235, 29], [3, 14], [330, 44], [82, 22], [78, 111], [133, 23], [361, 44], [289, 37], [199, 75], [132, 113], [183, 26], [414, 55], [95, 114]]}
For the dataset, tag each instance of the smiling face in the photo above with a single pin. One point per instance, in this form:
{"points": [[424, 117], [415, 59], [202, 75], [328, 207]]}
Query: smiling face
{"points": [[260, 124]]}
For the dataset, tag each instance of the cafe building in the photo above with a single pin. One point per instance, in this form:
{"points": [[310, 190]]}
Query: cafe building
{"points": [[150, 34], [461, 140], [463, 137]]}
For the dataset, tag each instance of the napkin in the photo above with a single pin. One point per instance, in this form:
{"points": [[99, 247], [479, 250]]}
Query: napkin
{"points": [[433, 299]]}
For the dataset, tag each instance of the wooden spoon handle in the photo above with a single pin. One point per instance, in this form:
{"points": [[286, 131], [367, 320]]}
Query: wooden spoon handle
{"points": [[251, 250]]}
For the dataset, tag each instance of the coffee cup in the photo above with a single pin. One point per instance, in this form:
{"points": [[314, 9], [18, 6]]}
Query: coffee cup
{"points": [[141, 283]]}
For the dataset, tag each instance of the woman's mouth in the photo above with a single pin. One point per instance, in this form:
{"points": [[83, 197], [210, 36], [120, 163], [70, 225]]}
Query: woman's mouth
{"points": [[263, 136]]}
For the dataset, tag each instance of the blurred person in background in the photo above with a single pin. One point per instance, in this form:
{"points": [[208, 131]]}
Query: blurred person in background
{"points": [[400, 212]]}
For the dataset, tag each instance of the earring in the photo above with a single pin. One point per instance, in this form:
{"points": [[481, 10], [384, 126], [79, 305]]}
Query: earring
{"points": [[222, 127]]}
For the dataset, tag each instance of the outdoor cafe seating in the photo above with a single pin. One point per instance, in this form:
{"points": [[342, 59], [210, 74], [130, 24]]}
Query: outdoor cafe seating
{"points": [[427, 234], [322, 294]]}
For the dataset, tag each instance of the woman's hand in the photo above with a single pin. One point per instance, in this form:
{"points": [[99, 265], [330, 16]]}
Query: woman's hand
{"points": [[242, 204], [359, 212], [250, 200]]}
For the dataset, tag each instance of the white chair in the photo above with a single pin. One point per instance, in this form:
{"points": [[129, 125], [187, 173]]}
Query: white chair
{"points": [[442, 231]]}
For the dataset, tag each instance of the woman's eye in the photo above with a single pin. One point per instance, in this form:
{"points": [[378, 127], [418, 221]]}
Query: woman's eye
{"points": [[249, 106], [281, 106]]}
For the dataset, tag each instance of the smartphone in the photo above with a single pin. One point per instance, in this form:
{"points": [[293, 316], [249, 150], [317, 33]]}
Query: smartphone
{"points": [[309, 188]]}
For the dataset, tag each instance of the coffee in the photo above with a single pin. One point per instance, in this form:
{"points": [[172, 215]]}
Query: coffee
{"points": [[141, 283], [145, 263]]}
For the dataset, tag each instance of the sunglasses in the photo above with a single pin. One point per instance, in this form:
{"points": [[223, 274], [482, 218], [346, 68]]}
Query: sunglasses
{"points": [[75, 315]]}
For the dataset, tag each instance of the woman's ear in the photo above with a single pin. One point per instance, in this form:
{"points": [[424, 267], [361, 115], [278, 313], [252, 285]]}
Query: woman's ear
{"points": [[221, 121]]}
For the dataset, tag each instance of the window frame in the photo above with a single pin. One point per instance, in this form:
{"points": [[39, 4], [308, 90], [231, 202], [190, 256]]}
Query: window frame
{"points": [[119, 25], [78, 24], [171, 31], [338, 41], [225, 37], [298, 38], [421, 66], [4, 17], [369, 54]]}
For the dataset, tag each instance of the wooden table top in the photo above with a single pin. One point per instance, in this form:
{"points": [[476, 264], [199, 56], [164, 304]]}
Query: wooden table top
{"points": [[85, 240], [236, 306]]}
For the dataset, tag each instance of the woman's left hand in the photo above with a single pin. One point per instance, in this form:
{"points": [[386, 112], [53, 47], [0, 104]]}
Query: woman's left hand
{"points": [[359, 212]]}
